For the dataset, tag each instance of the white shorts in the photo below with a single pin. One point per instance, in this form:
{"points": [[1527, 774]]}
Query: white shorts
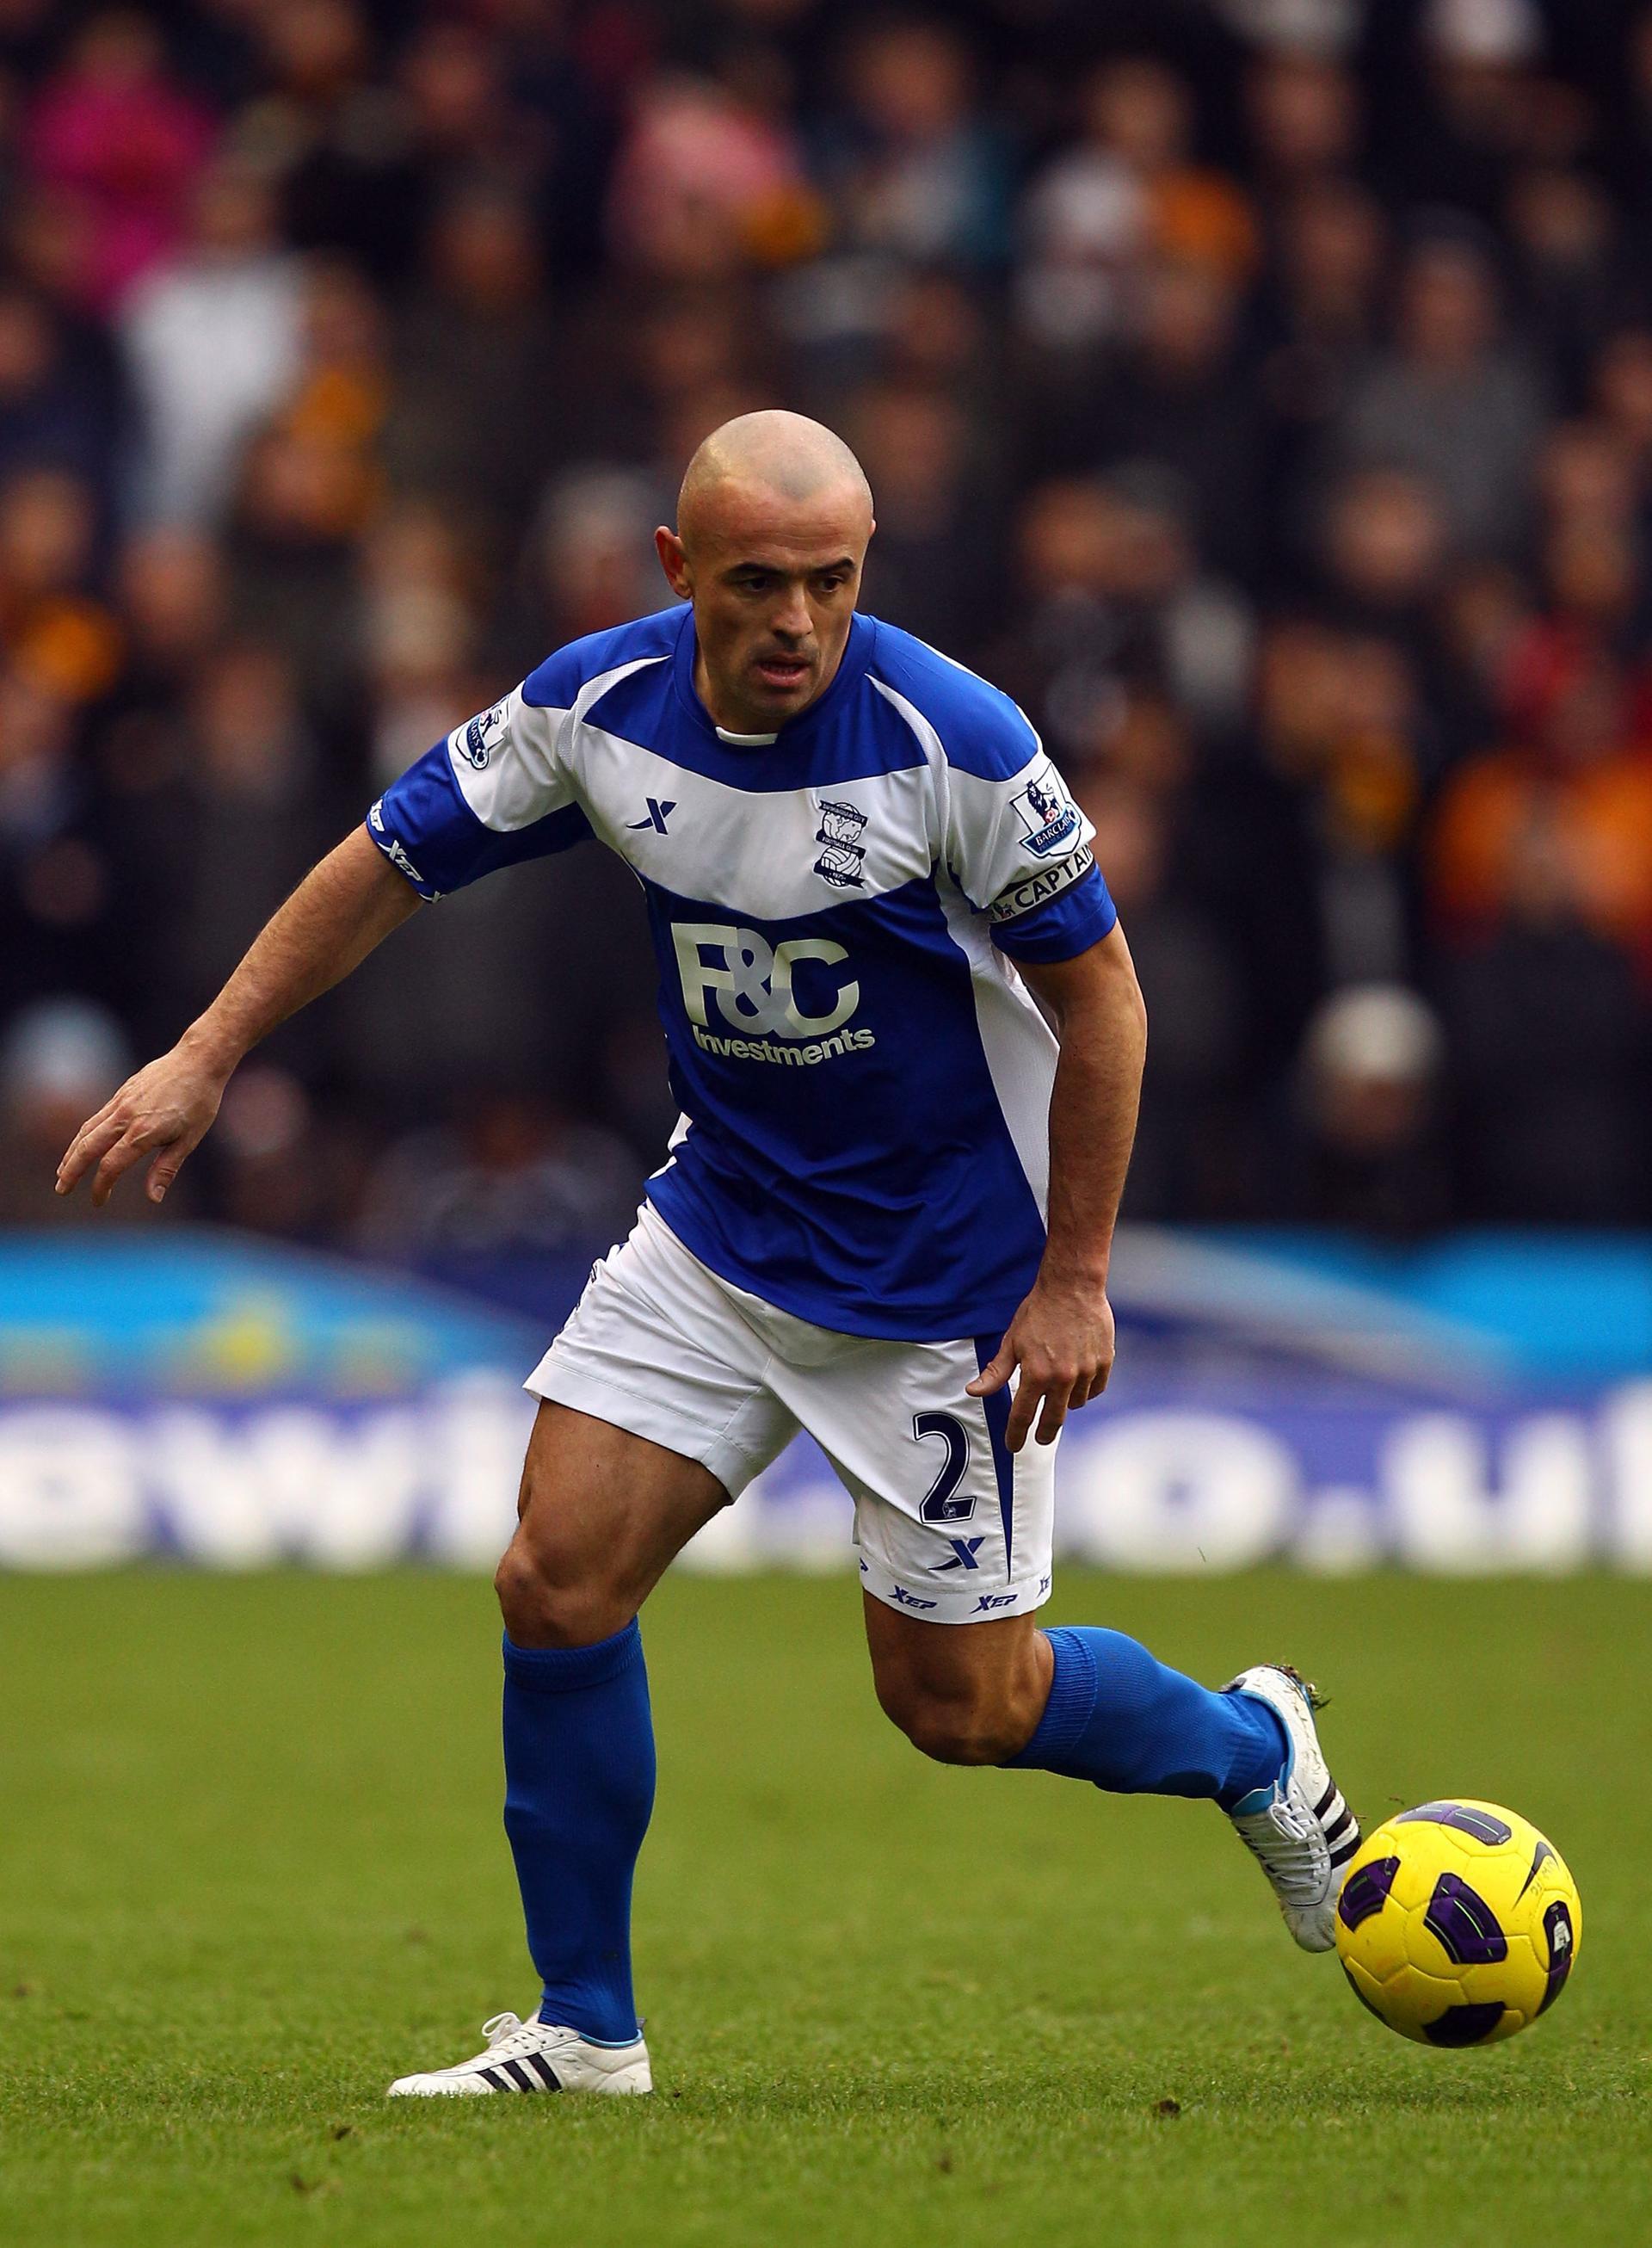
{"points": [[952, 1526]]}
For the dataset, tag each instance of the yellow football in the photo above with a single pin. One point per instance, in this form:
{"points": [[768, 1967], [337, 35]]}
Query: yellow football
{"points": [[1459, 1923]]}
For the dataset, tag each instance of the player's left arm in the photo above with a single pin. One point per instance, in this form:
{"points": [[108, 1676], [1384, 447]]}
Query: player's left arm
{"points": [[1061, 1337]]}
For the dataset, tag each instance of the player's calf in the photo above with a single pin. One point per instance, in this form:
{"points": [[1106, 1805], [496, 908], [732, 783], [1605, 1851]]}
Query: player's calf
{"points": [[965, 1693], [959, 1731]]}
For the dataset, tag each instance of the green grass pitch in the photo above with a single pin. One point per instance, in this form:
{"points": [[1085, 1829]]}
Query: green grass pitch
{"points": [[251, 1868]]}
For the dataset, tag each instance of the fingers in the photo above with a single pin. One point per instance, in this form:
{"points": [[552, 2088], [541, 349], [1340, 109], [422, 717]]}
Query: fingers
{"points": [[165, 1168], [1049, 1399], [175, 1151], [1022, 1407], [133, 1144], [1045, 1395], [994, 1374], [1053, 1418], [90, 1144], [163, 1111], [1063, 1395]]}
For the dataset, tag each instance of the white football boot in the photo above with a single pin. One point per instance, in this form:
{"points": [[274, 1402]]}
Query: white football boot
{"points": [[535, 2057], [1302, 1830]]}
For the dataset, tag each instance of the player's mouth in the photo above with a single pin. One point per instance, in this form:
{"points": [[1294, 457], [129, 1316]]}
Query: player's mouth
{"points": [[784, 673]]}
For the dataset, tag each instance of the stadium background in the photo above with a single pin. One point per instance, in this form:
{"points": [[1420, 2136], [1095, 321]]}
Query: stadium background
{"points": [[1261, 391]]}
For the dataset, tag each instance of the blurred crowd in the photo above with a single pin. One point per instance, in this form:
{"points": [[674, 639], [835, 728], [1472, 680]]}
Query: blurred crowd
{"points": [[1259, 390]]}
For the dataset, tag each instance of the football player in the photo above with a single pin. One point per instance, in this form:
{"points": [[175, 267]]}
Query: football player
{"points": [[906, 1039]]}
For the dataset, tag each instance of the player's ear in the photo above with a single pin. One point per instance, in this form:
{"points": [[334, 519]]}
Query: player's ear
{"points": [[673, 561]]}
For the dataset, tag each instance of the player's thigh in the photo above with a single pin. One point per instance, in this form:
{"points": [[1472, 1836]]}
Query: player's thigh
{"points": [[602, 1514], [654, 1415]]}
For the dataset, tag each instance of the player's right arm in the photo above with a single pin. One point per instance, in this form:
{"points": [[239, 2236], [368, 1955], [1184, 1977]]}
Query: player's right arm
{"points": [[332, 921]]}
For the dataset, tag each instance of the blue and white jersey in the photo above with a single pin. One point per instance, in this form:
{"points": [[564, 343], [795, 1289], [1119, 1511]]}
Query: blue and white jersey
{"points": [[864, 1080]]}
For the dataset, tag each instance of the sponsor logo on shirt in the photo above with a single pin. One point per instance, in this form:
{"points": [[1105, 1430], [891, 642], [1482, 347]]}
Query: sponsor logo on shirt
{"points": [[804, 1057], [748, 983], [1047, 812], [476, 742], [840, 830], [1038, 889]]}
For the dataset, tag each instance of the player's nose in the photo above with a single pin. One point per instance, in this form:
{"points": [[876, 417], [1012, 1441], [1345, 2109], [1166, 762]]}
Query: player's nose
{"points": [[791, 619]]}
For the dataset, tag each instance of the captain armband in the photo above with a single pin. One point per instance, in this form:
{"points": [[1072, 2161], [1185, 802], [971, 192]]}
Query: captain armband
{"points": [[1039, 887]]}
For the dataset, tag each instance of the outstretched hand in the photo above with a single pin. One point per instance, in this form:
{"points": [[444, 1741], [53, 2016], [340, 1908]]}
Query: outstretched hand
{"points": [[165, 1110], [1062, 1340]]}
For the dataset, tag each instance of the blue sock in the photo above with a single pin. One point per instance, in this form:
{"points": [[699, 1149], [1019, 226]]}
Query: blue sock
{"points": [[1120, 1718], [579, 1786]]}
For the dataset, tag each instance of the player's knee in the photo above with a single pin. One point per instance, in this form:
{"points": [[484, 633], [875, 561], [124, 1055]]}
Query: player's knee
{"points": [[976, 1728], [544, 1605]]}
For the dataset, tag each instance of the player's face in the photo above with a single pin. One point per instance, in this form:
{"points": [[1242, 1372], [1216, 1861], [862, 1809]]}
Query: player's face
{"points": [[774, 583]]}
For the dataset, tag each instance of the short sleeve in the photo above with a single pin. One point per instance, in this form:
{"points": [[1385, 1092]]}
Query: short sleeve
{"points": [[1020, 847], [491, 794]]}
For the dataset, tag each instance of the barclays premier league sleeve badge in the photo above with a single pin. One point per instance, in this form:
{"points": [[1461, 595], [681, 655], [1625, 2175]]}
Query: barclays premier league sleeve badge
{"points": [[476, 741], [1046, 813]]}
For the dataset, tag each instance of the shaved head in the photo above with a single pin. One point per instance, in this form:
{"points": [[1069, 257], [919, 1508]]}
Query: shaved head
{"points": [[772, 523], [784, 455]]}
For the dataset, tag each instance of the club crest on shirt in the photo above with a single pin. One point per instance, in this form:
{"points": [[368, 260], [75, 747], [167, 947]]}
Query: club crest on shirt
{"points": [[1046, 813], [476, 742], [840, 830]]}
